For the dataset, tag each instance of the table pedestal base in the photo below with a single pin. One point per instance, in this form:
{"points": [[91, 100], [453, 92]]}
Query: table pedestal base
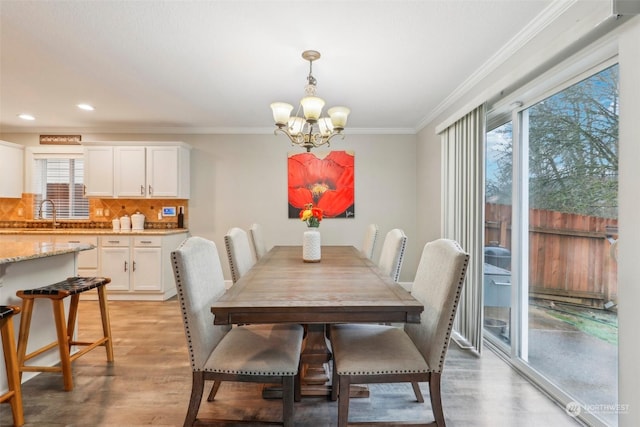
{"points": [[316, 372]]}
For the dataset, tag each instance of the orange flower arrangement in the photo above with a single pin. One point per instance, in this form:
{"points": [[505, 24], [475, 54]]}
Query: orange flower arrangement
{"points": [[312, 216]]}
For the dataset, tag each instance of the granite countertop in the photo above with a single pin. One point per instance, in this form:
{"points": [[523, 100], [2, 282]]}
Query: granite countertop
{"points": [[22, 251], [91, 231]]}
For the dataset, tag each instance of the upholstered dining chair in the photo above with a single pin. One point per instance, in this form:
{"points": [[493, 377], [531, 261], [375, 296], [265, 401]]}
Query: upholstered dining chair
{"points": [[249, 353], [369, 243], [392, 253], [238, 252], [257, 240], [365, 353]]}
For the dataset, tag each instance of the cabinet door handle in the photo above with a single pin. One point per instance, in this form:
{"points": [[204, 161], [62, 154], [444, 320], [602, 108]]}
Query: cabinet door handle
{"points": [[145, 241], [126, 265], [142, 190], [114, 241], [150, 191], [133, 266], [73, 241]]}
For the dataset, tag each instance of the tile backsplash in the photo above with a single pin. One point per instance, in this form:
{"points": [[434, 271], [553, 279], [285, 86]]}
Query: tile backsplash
{"points": [[20, 212]]}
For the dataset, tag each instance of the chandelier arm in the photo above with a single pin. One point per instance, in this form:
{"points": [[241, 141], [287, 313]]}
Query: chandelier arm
{"points": [[325, 139]]}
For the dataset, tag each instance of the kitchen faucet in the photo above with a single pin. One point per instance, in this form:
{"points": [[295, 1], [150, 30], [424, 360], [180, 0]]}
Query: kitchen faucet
{"points": [[53, 208]]}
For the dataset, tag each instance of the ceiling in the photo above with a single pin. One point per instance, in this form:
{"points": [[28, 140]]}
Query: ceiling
{"points": [[215, 66]]}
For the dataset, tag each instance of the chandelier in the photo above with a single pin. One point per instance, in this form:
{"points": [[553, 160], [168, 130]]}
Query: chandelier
{"points": [[312, 130]]}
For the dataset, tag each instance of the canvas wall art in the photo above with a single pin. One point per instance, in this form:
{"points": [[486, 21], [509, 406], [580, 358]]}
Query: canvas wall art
{"points": [[324, 178]]}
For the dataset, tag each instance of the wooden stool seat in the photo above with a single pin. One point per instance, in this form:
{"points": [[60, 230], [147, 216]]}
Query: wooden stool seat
{"points": [[14, 394], [72, 287]]}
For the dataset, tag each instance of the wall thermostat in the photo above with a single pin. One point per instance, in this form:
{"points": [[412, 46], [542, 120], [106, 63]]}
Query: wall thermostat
{"points": [[169, 211]]}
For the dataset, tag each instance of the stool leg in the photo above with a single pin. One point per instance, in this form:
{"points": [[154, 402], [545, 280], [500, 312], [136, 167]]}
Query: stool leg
{"points": [[106, 322], [13, 375], [23, 334], [73, 315], [63, 343]]}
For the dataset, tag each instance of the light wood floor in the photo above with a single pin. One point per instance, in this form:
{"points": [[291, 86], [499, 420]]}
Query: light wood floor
{"points": [[150, 381]]}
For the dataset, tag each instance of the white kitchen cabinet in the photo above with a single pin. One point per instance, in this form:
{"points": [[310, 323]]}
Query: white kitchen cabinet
{"points": [[139, 266], [115, 261], [146, 273], [98, 171], [168, 172], [152, 171], [130, 171], [11, 170]]}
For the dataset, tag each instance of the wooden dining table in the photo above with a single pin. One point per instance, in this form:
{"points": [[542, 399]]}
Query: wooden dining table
{"points": [[344, 287]]}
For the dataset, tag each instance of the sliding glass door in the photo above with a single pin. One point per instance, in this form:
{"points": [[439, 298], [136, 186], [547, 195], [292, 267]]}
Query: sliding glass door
{"points": [[551, 230], [497, 249]]}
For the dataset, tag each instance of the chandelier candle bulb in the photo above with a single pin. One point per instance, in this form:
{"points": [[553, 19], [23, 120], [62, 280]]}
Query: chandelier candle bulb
{"points": [[281, 112], [296, 125], [312, 107], [339, 116], [325, 125]]}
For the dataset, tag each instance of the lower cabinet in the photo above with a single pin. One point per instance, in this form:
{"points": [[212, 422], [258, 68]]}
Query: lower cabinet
{"points": [[147, 257], [115, 261], [139, 266]]}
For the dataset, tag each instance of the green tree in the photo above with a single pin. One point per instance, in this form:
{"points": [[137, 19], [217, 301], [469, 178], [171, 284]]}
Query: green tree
{"points": [[573, 150]]}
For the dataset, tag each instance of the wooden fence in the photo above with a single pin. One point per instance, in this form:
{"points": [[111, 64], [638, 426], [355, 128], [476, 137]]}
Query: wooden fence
{"points": [[571, 257]]}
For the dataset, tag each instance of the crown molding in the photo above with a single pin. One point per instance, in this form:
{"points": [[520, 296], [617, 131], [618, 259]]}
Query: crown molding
{"points": [[189, 130], [531, 30]]}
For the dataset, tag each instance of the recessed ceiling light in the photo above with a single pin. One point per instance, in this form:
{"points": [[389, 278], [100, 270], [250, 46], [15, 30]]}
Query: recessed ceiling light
{"points": [[86, 107], [26, 116]]}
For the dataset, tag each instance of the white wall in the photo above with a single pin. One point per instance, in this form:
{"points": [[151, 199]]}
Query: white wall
{"points": [[428, 185], [240, 179]]}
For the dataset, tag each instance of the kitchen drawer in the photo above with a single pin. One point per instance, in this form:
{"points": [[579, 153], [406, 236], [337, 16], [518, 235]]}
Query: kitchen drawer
{"points": [[147, 241], [115, 241], [91, 240], [87, 260]]}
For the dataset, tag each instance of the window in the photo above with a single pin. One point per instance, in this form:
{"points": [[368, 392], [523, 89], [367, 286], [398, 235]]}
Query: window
{"points": [[59, 179]]}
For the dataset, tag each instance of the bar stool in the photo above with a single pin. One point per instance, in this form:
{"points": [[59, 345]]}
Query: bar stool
{"points": [[14, 394], [56, 293]]}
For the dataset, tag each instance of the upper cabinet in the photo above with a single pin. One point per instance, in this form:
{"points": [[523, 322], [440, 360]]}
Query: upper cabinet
{"points": [[98, 171], [154, 171], [130, 171], [11, 170]]}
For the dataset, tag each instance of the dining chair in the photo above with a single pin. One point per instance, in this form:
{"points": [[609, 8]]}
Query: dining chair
{"points": [[257, 240], [392, 253], [238, 252], [266, 354], [369, 243], [366, 353]]}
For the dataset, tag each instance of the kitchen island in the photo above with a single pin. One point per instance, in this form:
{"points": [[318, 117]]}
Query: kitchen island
{"points": [[136, 261], [27, 265]]}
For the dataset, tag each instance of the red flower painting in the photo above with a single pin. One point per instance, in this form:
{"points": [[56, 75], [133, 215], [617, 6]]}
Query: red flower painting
{"points": [[326, 181]]}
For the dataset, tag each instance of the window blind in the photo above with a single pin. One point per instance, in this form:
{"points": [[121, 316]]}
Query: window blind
{"points": [[463, 215], [61, 180]]}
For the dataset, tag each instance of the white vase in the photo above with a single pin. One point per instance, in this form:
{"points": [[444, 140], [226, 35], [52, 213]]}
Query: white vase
{"points": [[311, 246]]}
